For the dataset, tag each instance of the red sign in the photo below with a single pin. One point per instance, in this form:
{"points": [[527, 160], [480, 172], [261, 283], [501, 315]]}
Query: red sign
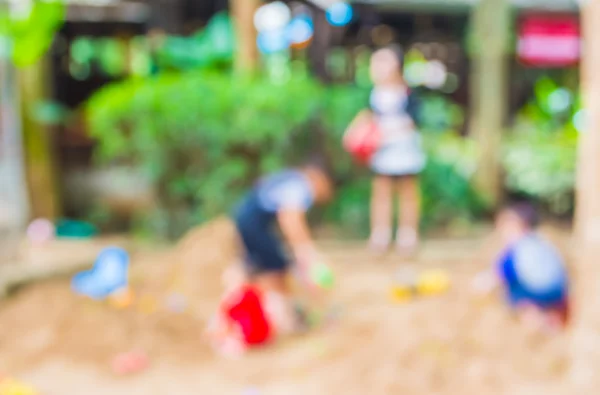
{"points": [[549, 41]]}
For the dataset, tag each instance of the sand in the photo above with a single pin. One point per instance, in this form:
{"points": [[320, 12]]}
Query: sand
{"points": [[455, 343]]}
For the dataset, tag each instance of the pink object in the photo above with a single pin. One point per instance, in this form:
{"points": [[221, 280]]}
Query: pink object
{"points": [[130, 363], [41, 231], [549, 41]]}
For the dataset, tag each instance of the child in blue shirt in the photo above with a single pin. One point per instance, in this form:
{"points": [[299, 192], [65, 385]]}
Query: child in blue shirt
{"points": [[278, 204], [281, 201], [530, 269]]}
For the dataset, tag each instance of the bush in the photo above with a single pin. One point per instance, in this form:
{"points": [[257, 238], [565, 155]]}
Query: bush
{"points": [[204, 137], [540, 156], [542, 165]]}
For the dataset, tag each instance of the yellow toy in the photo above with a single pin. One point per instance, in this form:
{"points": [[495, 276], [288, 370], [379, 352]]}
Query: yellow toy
{"points": [[13, 387], [147, 305], [430, 283]]}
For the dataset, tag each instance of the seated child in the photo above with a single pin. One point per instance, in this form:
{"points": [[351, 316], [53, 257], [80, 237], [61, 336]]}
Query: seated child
{"points": [[258, 301], [530, 270]]}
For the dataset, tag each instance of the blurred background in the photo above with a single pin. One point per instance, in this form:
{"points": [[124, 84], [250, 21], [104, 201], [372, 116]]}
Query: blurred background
{"points": [[145, 119], [110, 108]]}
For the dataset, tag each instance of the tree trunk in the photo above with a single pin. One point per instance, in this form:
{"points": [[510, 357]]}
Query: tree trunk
{"points": [[586, 333], [492, 22], [39, 146], [242, 11]]}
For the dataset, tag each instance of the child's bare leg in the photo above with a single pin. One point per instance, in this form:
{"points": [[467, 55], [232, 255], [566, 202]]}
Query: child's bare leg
{"points": [[409, 201], [278, 301], [219, 331], [234, 275], [225, 337], [381, 213]]}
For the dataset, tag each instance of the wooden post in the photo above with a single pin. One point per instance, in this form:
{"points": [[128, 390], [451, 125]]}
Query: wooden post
{"points": [[39, 147], [585, 337], [588, 176], [491, 22], [319, 49], [167, 16], [242, 11]]}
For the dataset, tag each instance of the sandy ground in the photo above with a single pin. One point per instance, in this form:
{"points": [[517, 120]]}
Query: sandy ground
{"points": [[451, 344]]}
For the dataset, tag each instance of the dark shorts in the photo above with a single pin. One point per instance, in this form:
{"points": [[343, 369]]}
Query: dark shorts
{"points": [[558, 305], [518, 294], [262, 249]]}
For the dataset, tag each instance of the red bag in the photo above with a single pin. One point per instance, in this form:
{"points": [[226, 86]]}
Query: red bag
{"points": [[363, 140], [245, 308]]}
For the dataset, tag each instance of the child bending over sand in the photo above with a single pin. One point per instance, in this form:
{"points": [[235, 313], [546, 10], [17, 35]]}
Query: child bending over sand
{"points": [[257, 304], [531, 270]]}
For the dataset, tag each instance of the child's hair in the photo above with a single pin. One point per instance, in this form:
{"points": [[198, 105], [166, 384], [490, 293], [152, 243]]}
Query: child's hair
{"points": [[524, 209], [323, 164]]}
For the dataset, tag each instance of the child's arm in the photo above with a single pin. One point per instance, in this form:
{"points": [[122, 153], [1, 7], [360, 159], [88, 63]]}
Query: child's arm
{"points": [[485, 282], [218, 327], [294, 227], [488, 281], [361, 117]]}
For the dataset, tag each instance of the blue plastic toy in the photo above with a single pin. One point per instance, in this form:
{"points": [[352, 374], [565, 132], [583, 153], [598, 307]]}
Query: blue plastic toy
{"points": [[110, 274]]}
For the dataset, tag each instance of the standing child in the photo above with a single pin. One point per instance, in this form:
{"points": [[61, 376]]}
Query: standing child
{"points": [[399, 159], [530, 270], [258, 302]]}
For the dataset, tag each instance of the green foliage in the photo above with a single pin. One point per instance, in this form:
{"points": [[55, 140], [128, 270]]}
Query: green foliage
{"points": [[211, 47], [32, 33], [448, 193], [543, 166], [540, 156], [204, 137], [437, 113]]}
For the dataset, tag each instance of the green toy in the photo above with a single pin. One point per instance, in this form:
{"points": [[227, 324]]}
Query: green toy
{"points": [[323, 276]]}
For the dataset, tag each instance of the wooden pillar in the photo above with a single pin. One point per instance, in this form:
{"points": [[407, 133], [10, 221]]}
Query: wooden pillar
{"points": [[491, 33], [242, 11], [586, 334], [319, 48], [588, 176], [166, 16], [38, 142]]}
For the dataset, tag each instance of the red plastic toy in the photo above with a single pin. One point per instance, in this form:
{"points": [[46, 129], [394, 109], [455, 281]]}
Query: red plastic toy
{"points": [[245, 308], [363, 140]]}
